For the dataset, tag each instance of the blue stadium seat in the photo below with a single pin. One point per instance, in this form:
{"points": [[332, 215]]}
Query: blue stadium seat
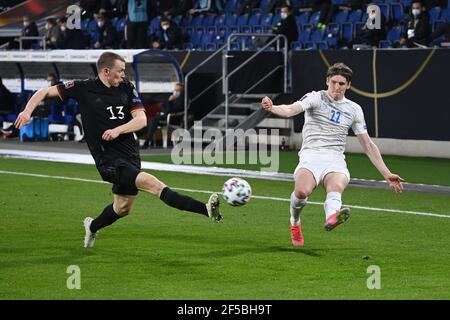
{"points": [[406, 4], [220, 20], [377, 2], [263, 4], [437, 24], [154, 23], [210, 47], [355, 16], [332, 35], [267, 19], [314, 18], [347, 31], [196, 38], [296, 45], [258, 29], [394, 34], [198, 21], [385, 9], [208, 37], [397, 12], [245, 29], [276, 18], [231, 20], [384, 44], [309, 45], [341, 16], [445, 15], [208, 20], [435, 14], [322, 45], [242, 20], [304, 36], [302, 18], [186, 21], [231, 6], [177, 19], [318, 35], [114, 21], [254, 19]]}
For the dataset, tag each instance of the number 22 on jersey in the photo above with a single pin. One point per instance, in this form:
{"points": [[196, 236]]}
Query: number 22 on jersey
{"points": [[118, 114], [335, 116]]}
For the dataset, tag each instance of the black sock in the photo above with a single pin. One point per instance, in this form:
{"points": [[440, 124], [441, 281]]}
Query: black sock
{"points": [[182, 202], [107, 217]]}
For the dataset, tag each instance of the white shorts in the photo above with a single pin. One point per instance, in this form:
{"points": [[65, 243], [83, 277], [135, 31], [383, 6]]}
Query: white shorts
{"points": [[321, 163]]}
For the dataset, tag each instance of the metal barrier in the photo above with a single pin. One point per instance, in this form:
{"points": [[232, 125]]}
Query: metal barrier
{"points": [[42, 38]]}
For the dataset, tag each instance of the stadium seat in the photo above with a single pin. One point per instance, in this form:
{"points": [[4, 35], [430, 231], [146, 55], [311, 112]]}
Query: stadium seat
{"points": [[437, 24], [321, 45], [267, 19], [254, 19], [406, 4], [242, 20], [220, 20], [209, 20], [276, 19], [304, 36], [355, 16], [341, 16], [385, 9], [314, 18], [318, 35], [197, 21], [397, 12], [435, 14], [394, 34], [296, 45], [120, 27], [302, 18], [263, 4], [231, 6], [347, 31], [154, 23], [177, 19], [445, 14], [231, 19], [384, 44], [258, 29], [186, 21]]}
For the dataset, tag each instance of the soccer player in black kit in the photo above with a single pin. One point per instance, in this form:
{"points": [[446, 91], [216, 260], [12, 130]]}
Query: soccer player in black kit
{"points": [[111, 111]]}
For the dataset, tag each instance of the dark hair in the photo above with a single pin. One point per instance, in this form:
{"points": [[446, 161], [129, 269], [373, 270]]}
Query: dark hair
{"points": [[107, 59], [340, 69], [286, 6], [417, 1], [164, 19]]}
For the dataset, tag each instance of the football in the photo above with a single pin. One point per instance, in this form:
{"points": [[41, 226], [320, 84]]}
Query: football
{"points": [[236, 192]]}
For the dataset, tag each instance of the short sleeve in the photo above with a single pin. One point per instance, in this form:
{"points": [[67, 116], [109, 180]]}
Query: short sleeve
{"points": [[310, 100], [359, 124], [70, 89], [134, 99]]}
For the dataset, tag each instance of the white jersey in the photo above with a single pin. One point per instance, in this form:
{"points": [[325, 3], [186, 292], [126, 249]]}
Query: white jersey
{"points": [[327, 121]]}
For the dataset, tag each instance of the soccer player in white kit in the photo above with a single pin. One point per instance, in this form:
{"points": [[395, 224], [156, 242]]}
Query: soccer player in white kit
{"points": [[328, 117]]}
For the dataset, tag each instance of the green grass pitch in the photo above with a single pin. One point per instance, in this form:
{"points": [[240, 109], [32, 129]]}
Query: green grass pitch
{"points": [[160, 253]]}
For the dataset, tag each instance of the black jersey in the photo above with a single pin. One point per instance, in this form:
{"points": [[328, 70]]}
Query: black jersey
{"points": [[104, 108]]}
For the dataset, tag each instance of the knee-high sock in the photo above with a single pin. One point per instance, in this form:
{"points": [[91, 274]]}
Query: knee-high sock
{"points": [[182, 202], [332, 204], [107, 217], [296, 207]]}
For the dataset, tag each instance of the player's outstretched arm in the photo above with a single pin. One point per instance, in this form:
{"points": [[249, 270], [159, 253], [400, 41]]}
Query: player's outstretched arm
{"points": [[25, 116], [370, 148], [138, 122], [282, 110]]}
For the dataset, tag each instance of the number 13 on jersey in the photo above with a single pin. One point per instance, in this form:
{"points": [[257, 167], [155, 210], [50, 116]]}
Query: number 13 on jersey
{"points": [[117, 113]]}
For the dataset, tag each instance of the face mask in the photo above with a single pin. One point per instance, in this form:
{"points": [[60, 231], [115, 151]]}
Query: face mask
{"points": [[165, 27], [26, 24], [100, 24], [63, 28], [415, 12], [284, 15], [176, 93]]}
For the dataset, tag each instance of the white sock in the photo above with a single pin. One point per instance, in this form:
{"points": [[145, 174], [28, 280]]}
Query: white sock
{"points": [[296, 207], [332, 204]]}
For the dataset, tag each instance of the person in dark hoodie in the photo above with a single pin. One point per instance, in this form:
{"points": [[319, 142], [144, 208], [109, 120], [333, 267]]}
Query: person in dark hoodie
{"points": [[287, 26], [169, 36], [418, 27], [108, 38]]}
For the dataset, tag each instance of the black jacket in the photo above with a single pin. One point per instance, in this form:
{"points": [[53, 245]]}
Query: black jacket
{"points": [[170, 39], [421, 26], [288, 27]]}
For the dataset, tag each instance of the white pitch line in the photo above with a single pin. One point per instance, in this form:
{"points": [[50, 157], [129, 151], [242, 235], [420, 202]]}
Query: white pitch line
{"points": [[428, 214]]}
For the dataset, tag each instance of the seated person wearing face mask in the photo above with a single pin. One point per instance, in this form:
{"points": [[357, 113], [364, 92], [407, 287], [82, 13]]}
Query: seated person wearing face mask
{"points": [[169, 36], [108, 38], [418, 27], [174, 104], [287, 26]]}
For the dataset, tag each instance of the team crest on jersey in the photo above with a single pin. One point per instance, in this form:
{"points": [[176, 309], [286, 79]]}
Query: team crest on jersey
{"points": [[69, 84]]}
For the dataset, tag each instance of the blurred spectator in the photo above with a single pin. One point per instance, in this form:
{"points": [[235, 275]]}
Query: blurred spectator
{"points": [[89, 8], [174, 104], [246, 6], [163, 7], [418, 26], [29, 30], [52, 33], [370, 37], [108, 38], [435, 38], [206, 6], [137, 24], [114, 8], [182, 8], [43, 109], [70, 38], [287, 25], [7, 102], [169, 36]]}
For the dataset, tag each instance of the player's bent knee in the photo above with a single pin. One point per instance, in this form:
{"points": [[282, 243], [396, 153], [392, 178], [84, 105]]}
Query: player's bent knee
{"points": [[301, 193], [148, 183]]}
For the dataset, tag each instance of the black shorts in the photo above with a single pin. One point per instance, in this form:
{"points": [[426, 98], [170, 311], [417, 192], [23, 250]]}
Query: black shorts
{"points": [[122, 174]]}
